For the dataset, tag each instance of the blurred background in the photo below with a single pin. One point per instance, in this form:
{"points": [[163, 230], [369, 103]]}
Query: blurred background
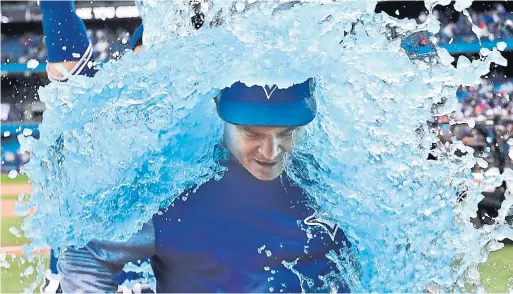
{"points": [[110, 24]]}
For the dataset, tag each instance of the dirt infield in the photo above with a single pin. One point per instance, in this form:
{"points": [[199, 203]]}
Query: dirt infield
{"points": [[8, 208], [10, 250], [14, 189]]}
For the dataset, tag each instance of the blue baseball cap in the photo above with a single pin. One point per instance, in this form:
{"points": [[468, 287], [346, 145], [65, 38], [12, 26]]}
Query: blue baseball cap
{"points": [[137, 37], [268, 105]]}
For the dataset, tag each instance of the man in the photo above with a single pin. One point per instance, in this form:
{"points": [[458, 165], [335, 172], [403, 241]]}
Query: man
{"points": [[466, 136], [252, 231]]}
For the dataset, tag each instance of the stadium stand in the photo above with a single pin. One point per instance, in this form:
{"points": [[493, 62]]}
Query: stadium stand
{"points": [[495, 23], [18, 50]]}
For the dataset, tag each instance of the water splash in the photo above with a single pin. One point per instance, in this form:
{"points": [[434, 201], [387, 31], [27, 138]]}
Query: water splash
{"points": [[147, 277], [114, 149]]}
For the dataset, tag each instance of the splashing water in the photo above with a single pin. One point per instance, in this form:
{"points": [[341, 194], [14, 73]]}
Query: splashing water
{"points": [[116, 148]]}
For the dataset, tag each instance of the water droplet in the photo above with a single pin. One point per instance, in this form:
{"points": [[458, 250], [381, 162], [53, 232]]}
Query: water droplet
{"points": [[501, 46], [28, 271], [27, 132], [13, 174], [15, 231], [32, 63], [240, 6]]}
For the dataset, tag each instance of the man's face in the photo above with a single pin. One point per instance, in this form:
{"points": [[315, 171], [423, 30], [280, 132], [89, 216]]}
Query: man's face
{"points": [[260, 149], [467, 140]]}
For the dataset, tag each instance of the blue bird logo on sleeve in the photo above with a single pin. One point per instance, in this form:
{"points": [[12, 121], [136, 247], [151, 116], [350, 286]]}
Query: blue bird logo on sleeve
{"points": [[330, 227]]}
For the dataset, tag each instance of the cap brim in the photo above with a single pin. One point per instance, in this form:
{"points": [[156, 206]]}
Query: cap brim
{"points": [[288, 114]]}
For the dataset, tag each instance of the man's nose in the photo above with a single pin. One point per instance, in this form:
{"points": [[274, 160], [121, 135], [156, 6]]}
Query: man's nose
{"points": [[270, 149]]}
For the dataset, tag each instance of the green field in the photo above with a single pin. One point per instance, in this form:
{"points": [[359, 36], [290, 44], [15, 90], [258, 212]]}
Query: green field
{"points": [[497, 273], [11, 280], [14, 196], [9, 197], [20, 179], [8, 239]]}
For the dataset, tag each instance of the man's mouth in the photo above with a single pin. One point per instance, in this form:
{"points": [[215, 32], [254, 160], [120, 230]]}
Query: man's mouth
{"points": [[267, 163]]}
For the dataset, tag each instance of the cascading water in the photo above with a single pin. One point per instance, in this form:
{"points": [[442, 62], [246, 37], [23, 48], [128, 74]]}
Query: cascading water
{"points": [[115, 148]]}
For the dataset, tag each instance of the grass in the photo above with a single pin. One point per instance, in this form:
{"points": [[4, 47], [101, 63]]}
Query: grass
{"points": [[8, 239], [497, 273], [12, 196], [20, 179], [11, 280]]}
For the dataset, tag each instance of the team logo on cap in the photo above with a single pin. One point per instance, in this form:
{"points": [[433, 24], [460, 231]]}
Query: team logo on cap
{"points": [[270, 92]]}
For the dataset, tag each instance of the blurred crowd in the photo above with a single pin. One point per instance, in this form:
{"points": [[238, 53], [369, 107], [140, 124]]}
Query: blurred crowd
{"points": [[488, 103], [491, 98], [487, 112], [107, 44], [21, 49], [490, 139], [495, 23]]}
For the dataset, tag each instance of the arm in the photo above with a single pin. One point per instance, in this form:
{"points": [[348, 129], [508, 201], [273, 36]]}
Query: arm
{"points": [[69, 49], [91, 269]]}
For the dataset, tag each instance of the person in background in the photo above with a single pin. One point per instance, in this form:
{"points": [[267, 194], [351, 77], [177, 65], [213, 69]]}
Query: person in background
{"points": [[466, 136], [70, 53]]}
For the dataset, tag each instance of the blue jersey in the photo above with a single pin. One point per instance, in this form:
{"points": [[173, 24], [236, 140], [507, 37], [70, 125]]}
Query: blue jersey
{"points": [[241, 234], [238, 234]]}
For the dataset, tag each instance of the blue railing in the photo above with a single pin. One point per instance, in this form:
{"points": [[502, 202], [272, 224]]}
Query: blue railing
{"points": [[20, 68], [454, 48], [15, 129], [475, 47], [412, 46]]}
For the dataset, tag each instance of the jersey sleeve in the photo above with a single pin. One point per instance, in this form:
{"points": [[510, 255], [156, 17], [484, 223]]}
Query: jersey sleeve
{"points": [[91, 269], [84, 67], [66, 39]]}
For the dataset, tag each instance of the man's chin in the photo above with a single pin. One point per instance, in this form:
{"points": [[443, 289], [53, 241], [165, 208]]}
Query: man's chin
{"points": [[266, 178], [265, 175]]}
